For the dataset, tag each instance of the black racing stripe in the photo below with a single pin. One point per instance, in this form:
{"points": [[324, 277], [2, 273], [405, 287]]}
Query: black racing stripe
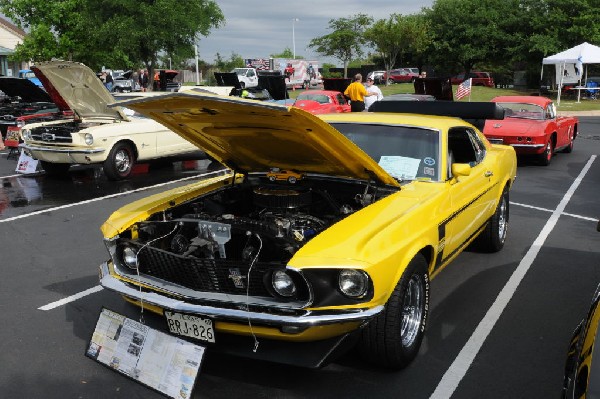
{"points": [[440, 259]]}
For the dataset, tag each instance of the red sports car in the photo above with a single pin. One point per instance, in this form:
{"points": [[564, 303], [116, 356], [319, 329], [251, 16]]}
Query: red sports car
{"points": [[532, 127], [322, 102]]}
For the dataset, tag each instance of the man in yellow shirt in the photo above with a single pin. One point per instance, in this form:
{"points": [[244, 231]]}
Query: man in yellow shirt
{"points": [[357, 93]]}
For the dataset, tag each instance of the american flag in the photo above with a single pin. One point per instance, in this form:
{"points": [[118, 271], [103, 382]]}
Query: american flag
{"points": [[463, 89]]}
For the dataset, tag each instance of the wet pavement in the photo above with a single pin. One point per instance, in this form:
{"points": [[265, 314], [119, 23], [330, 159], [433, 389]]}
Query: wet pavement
{"points": [[22, 194]]}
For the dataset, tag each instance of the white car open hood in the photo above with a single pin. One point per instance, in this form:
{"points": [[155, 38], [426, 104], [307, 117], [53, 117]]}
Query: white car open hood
{"points": [[75, 86]]}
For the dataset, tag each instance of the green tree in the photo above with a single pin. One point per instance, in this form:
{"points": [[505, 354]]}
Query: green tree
{"points": [[466, 33], [56, 28], [287, 54], [116, 33], [234, 61], [397, 35], [346, 41]]}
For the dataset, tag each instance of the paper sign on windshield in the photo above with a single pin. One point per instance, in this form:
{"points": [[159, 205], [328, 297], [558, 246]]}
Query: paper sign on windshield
{"points": [[402, 168]]}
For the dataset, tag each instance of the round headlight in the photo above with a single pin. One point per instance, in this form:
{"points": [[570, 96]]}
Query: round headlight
{"points": [[130, 257], [89, 139], [26, 134], [353, 283], [283, 284]]}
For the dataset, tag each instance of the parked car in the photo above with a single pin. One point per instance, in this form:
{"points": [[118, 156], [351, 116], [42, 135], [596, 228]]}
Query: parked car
{"points": [[23, 100], [401, 75], [123, 83], [409, 97], [477, 79], [298, 270], [164, 80], [322, 102], [377, 76], [581, 375], [532, 126], [97, 134], [29, 75]]}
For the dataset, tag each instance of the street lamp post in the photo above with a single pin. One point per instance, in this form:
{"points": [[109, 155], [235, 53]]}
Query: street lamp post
{"points": [[294, 20]]}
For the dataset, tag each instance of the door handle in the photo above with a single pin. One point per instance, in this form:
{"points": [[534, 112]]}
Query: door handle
{"points": [[489, 173]]}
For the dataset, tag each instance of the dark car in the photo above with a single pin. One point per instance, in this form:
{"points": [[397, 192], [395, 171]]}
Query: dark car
{"points": [[23, 98], [477, 79]]}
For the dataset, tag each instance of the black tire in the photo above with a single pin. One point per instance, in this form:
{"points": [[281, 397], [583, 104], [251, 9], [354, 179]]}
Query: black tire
{"points": [[546, 157], [242, 85], [390, 81], [569, 149], [120, 162], [55, 169], [493, 237], [393, 338]]}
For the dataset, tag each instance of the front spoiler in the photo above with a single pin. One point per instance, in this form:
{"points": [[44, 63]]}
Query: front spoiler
{"points": [[305, 320]]}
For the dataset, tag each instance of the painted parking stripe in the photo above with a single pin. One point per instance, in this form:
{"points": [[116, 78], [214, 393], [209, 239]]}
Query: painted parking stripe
{"points": [[71, 298], [107, 197], [463, 361], [550, 211]]}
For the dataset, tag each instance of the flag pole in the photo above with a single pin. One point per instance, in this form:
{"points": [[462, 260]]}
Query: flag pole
{"points": [[470, 88]]}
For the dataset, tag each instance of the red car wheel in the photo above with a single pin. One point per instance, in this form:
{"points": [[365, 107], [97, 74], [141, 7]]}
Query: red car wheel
{"points": [[546, 156]]}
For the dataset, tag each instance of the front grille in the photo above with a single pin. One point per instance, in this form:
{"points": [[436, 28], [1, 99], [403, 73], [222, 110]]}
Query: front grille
{"points": [[53, 134], [208, 275]]}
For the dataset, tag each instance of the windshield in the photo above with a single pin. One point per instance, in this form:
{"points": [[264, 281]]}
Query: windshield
{"points": [[406, 153], [522, 110], [320, 98]]}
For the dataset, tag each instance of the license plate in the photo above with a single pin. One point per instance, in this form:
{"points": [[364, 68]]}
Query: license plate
{"points": [[201, 328]]}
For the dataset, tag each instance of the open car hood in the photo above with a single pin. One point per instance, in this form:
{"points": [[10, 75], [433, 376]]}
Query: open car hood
{"points": [[24, 88], [74, 86], [252, 136]]}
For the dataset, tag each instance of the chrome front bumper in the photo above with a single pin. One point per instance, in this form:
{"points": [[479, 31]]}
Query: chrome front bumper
{"points": [[62, 150], [305, 320]]}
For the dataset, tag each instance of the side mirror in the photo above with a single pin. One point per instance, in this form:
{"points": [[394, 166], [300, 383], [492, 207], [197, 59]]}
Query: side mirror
{"points": [[461, 169]]}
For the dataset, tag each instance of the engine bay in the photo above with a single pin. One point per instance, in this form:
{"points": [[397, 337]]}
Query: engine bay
{"points": [[256, 220]]}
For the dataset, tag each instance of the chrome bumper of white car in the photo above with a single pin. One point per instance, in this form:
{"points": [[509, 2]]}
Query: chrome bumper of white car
{"points": [[62, 150], [308, 319]]}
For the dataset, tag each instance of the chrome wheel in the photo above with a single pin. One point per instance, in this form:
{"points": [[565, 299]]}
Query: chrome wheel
{"points": [[502, 219], [122, 160], [412, 310]]}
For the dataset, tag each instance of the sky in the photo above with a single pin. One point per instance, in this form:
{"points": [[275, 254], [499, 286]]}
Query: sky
{"points": [[264, 27]]}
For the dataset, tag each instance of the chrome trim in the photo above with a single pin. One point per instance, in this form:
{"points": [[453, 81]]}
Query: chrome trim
{"points": [[61, 150], [308, 319], [529, 145]]}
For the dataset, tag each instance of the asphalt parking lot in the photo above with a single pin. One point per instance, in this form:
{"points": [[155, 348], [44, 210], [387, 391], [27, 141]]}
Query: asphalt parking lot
{"points": [[499, 324]]}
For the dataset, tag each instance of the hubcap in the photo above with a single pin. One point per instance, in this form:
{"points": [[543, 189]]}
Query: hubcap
{"points": [[122, 161], [412, 311], [502, 222]]}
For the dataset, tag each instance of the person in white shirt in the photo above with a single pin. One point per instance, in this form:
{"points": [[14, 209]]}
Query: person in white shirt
{"points": [[372, 89]]}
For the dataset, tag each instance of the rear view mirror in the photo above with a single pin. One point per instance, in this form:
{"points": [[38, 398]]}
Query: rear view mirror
{"points": [[461, 169]]}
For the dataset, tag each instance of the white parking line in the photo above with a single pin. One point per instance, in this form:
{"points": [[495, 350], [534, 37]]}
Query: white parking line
{"points": [[105, 197], [550, 211], [71, 298], [463, 361]]}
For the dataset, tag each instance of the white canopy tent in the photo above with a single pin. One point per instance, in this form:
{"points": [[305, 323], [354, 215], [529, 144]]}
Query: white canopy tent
{"points": [[577, 56]]}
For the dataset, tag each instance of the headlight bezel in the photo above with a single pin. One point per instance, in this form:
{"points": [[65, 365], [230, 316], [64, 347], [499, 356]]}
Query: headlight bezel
{"points": [[353, 283]]}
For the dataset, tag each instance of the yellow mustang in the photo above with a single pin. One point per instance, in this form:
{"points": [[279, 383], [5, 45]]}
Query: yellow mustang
{"points": [[300, 270]]}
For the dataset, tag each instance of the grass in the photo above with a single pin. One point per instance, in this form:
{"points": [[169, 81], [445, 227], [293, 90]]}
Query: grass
{"points": [[479, 93]]}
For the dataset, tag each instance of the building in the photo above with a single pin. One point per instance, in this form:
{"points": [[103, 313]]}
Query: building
{"points": [[10, 36]]}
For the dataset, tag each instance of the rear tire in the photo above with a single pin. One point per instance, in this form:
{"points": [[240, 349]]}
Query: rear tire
{"points": [[493, 237], [120, 162], [393, 338], [55, 169], [546, 157]]}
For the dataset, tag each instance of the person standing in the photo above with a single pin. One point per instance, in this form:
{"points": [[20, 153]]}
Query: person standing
{"points": [[143, 79], [108, 81], [376, 94], [357, 92]]}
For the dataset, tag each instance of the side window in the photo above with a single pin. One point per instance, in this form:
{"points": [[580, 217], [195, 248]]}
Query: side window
{"points": [[551, 111], [464, 146]]}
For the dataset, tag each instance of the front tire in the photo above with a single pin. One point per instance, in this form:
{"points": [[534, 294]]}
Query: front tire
{"points": [[393, 338], [120, 162], [493, 237]]}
